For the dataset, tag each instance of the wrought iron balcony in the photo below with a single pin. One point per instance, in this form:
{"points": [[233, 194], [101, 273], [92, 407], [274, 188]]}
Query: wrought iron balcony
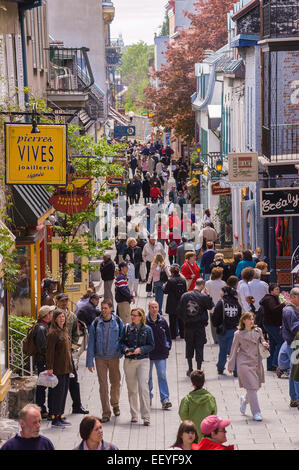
{"points": [[113, 52], [281, 142], [70, 75], [280, 18]]}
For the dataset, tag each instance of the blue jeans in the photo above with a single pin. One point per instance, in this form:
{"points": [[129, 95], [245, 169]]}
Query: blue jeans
{"points": [[225, 343], [275, 340], [159, 294], [286, 352], [162, 380]]}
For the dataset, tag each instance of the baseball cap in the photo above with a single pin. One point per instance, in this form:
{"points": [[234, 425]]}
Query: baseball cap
{"points": [[44, 310], [62, 296], [212, 422]]}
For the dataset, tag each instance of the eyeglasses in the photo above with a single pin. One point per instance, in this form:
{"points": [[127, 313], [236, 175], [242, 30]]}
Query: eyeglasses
{"points": [[135, 315], [222, 430]]}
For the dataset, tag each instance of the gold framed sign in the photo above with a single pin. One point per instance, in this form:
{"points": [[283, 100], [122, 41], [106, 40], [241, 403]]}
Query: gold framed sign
{"points": [[242, 167], [36, 158]]}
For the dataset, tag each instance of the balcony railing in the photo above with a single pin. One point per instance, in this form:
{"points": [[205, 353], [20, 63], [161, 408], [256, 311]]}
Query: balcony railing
{"points": [[69, 70], [281, 142], [280, 18]]}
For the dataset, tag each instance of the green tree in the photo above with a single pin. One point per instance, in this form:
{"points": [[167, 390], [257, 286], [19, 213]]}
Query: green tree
{"points": [[68, 225], [136, 61]]}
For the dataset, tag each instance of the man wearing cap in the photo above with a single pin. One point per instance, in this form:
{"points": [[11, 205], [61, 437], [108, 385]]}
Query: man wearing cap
{"points": [[62, 301], [123, 295], [45, 315], [213, 429], [89, 311]]}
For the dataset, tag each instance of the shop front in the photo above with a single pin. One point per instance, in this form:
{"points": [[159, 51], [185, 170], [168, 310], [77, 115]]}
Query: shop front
{"points": [[30, 212]]}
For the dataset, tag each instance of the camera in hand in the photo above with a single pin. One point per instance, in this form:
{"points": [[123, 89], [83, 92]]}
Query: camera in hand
{"points": [[129, 350]]}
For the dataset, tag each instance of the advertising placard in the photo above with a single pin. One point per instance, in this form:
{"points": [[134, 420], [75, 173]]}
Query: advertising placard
{"points": [[243, 167], [39, 158]]}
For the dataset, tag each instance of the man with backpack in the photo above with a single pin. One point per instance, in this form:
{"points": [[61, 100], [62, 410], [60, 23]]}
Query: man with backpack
{"points": [[104, 349], [35, 345], [193, 309]]}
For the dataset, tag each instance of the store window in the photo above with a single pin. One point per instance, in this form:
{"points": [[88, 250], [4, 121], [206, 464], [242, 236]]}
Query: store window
{"points": [[20, 303]]}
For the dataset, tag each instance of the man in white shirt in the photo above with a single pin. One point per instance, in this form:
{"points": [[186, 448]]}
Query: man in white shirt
{"points": [[150, 250], [243, 290], [258, 289]]}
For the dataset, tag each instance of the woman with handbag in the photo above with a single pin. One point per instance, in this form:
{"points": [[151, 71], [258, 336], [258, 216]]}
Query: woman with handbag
{"points": [[225, 318], [190, 270], [158, 275], [59, 362], [248, 350]]}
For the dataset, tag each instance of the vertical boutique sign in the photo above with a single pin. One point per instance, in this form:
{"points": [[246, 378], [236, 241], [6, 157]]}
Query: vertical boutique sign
{"points": [[243, 167], [36, 158]]}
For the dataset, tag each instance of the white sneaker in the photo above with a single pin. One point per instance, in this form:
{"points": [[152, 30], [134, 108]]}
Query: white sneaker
{"points": [[243, 405], [257, 417]]}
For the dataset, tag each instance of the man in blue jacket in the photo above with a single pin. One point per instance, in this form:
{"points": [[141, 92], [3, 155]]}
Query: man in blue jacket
{"points": [[104, 348], [290, 326], [160, 353]]}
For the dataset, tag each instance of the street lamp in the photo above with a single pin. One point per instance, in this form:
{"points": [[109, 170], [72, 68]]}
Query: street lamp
{"points": [[219, 165], [131, 115]]}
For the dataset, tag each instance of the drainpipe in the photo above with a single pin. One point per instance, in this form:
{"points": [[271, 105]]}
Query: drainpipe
{"points": [[24, 56]]}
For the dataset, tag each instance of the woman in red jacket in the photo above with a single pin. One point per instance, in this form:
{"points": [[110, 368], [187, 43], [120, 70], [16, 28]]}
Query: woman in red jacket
{"points": [[190, 270], [155, 193]]}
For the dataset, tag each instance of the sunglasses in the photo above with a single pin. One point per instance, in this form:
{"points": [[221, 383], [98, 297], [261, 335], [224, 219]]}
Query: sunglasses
{"points": [[135, 315]]}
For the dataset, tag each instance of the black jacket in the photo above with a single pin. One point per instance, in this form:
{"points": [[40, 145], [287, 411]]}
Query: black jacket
{"points": [[146, 187], [107, 270], [88, 313], [39, 338], [162, 338], [226, 269], [175, 287], [131, 189], [135, 258], [193, 309], [232, 311], [272, 310]]}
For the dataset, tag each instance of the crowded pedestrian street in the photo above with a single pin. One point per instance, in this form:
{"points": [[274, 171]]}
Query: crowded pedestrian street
{"points": [[149, 227], [279, 429]]}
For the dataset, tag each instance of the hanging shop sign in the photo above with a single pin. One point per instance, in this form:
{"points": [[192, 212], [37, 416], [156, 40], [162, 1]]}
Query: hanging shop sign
{"points": [[114, 180], [73, 198], [243, 167], [279, 202], [124, 131], [217, 190], [36, 158]]}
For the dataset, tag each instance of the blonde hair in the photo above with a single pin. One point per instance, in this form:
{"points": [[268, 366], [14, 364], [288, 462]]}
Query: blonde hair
{"points": [[130, 240], [158, 259], [245, 316], [142, 314]]}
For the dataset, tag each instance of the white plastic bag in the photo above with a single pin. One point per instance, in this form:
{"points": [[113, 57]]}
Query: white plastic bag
{"points": [[46, 380]]}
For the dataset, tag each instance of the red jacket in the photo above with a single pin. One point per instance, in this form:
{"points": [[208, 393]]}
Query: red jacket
{"points": [[208, 444], [155, 192], [188, 270]]}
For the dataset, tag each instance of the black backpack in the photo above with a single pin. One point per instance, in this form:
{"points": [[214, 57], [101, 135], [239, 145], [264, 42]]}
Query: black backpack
{"points": [[181, 288], [29, 348], [193, 311]]}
